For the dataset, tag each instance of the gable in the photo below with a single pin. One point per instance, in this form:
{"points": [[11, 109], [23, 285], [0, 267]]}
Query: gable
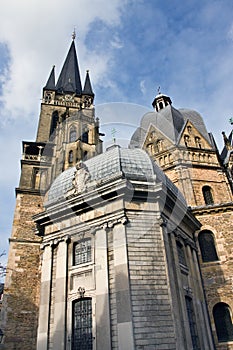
{"points": [[191, 137], [155, 141]]}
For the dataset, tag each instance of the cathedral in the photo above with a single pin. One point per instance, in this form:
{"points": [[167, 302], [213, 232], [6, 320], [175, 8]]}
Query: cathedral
{"points": [[130, 248]]}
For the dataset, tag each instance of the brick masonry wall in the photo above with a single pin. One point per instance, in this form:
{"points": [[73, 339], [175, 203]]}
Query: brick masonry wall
{"points": [[22, 285], [218, 275]]}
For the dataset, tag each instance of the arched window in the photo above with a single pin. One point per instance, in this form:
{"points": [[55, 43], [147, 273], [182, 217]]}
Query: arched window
{"points": [[85, 155], [223, 322], [82, 324], [84, 137], [207, 246], [207, 194], [54, 121], [160, 105], [186, 140], [71, 157], [73, 134]]}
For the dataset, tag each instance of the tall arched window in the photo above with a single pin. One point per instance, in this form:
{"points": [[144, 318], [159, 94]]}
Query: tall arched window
{"points": [[207, 246], [73, 134], [82, 324], [54, 121], [207, 194], [223, 322], [84, 137], [71, 157]]}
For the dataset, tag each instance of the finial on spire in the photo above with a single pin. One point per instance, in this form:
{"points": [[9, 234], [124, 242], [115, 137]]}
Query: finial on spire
{"points": [[74, 34], [158, 90], [231, 121]]}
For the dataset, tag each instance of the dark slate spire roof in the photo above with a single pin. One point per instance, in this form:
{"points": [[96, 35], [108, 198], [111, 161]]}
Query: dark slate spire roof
{"points": [[87, 86], [50, 85], [69, 79]]}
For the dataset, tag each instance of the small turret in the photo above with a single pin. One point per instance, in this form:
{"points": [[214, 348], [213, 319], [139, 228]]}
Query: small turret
{"points": [[161, 101], [87, 86], [50, 85]]}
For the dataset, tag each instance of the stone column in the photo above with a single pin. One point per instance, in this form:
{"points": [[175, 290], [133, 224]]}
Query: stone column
{"points": [[60, 298], [103, 335], [46, 272], [122, 287]]}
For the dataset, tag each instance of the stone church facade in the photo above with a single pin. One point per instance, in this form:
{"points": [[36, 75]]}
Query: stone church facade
{"points": [[126, 249]]}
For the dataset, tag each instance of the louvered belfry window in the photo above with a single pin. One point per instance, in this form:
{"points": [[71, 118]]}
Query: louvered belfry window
{"points": [[207, 246], [82, 338], [223, 322]]}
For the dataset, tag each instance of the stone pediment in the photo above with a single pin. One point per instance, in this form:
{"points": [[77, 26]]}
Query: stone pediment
{"points": [[155, 141], [191, 137]]}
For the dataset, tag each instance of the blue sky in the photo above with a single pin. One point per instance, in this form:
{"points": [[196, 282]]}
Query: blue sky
{"points": [[130, 46]]}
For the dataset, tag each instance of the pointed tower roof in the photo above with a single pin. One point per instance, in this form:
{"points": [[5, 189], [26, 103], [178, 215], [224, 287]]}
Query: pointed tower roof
{"points": [[69, 79], [50, 85], [87, 86]]}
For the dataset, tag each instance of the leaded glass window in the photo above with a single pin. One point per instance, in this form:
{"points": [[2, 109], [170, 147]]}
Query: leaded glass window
{"points": [[207, 246], [82, 252], [192, 323], [223, 322], [82, 324], [181, 254], [207, 194]]}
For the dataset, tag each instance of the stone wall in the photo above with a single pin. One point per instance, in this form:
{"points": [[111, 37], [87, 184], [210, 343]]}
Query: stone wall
{"points": [[21, 295]]}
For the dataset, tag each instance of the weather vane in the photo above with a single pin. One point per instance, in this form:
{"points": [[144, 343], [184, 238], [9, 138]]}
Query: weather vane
{"points": [[113, 132], [74, 34]]}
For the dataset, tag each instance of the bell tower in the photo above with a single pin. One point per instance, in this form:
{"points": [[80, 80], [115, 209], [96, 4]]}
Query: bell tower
{"points": [[67, 132]]}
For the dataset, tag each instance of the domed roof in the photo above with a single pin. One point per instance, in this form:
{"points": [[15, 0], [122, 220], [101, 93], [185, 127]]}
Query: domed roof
{"points": [[170, 121], [133, 164]]}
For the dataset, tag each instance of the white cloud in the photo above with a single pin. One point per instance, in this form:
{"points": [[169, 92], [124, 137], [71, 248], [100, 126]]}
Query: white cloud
{"points": [[38, 34], [142, 87]]}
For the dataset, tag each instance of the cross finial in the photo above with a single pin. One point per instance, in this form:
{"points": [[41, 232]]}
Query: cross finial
{"points": [[73, 34], [113, 132]]}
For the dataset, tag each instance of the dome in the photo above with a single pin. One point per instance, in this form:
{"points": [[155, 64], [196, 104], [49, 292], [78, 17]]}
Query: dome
{"points": [[133, 164], [170, 121]]}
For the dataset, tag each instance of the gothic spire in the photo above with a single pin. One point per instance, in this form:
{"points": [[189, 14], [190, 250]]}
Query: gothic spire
{"points": [[50, 85], [69, 79], [87, 86]]}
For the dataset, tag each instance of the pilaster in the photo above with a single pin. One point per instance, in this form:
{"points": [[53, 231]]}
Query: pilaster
{"points": [[122, 286]]}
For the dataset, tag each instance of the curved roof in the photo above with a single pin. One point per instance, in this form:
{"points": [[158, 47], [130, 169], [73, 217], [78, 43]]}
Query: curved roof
{"points": [[134, 164]]}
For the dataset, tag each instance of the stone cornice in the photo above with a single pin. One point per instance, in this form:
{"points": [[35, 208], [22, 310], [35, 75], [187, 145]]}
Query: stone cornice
{"points": [[215, 208]]}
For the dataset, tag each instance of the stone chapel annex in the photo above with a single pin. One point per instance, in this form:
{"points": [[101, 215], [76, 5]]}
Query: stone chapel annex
{"points": [[131, 248]]}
